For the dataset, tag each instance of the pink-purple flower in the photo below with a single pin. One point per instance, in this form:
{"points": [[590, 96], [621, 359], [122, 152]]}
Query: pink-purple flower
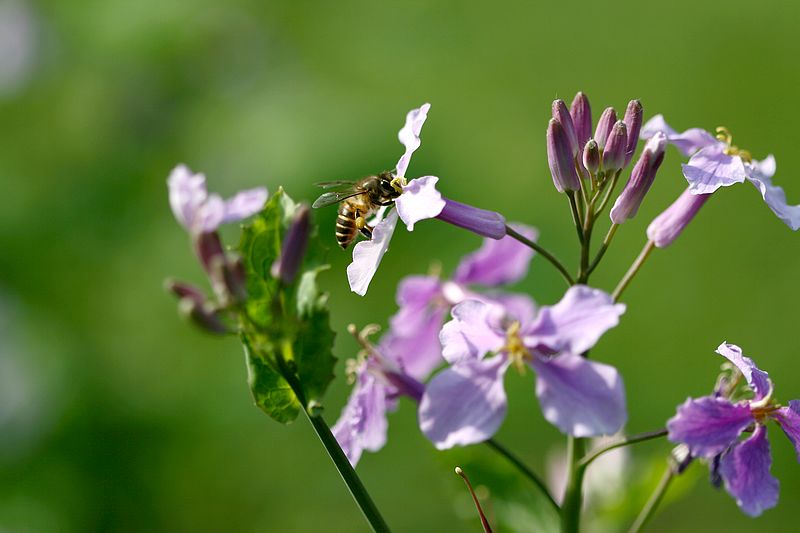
{"points": [[716, 162], [200, 212], [712, 427], [466, 403]]}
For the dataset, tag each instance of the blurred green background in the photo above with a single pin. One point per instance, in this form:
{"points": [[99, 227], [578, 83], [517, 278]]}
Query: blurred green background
{"points": [[117, 416]]}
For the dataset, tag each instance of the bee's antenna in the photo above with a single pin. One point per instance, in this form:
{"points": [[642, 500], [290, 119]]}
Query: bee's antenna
{"points": [[484, 522]]}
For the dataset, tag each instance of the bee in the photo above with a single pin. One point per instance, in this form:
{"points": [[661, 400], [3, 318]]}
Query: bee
{"points": [[358, 200]]}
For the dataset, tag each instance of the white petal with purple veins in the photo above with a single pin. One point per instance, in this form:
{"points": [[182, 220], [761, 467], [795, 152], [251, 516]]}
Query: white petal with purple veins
{"points": [[420, 201], [409, 136], [367, 255], [464, 404], [711, 168]]}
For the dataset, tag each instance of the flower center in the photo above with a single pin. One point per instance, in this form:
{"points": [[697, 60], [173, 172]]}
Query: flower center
{"points": [[724, 135], [398, 182], [515, 348]]}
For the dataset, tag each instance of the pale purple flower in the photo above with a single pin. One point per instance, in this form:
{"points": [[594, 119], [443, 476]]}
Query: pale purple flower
{"points": [[712, 426], [201, 212], [715, 162], [466, 403]]}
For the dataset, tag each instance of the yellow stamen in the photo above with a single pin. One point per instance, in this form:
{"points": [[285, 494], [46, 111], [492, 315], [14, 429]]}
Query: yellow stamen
{"points": [[516, 350], [398, 182], [724, 135]]}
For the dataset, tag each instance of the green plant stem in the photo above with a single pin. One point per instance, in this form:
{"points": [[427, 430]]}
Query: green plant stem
{"points": [[633, 270], [527, 472], [606, 242], [349, 476], [576, 215], [544, 253], [652, 503], [573, 493], [627, 441], [610, 190]]}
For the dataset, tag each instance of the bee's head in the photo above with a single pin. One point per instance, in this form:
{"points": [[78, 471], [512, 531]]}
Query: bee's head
{"points": [[385, 183]]}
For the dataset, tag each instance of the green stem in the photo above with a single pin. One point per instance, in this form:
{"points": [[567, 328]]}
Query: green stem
{"points": [[607, 196], [573, 494], [349, 476], [655, 499], [606, 242], [544, 253], [642, 437], [633, 270], [576, 215], [527, 472]]}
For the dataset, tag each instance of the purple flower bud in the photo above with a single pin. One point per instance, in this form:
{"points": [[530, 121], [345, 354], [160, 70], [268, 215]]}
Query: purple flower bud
{"points": [[561, 158], [591, 156], [184, 290], [484, 223], [633, 121], [208, 246], [642, 176], [581, 113], [604, 126], [614, 153], [294, 247], [666, 227], [203, 315], [561, 114]]}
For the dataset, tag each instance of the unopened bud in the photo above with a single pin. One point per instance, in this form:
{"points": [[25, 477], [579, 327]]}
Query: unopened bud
{"points": [[666, 227], [633, 121], [642, 177], [480, 221], [184, 290], [591, 156], [561, 114], [208, 246], [294, 246], [604, 126], [614, 152], [203, 315], [561, 158], [581, 113]]}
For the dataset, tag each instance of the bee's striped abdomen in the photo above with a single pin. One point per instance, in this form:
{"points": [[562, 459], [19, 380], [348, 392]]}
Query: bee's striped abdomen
{"points": [[346, 225]]}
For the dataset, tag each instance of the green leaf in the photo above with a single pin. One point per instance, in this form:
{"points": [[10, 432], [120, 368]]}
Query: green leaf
{"points": [[271, 392]]}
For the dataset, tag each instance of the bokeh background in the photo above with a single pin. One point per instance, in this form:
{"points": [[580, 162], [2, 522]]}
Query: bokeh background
{"points": [[117, 416]]}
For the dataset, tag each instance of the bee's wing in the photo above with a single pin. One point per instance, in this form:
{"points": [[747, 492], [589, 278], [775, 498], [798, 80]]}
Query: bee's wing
{"points": [[335, 183], [330, 198]]}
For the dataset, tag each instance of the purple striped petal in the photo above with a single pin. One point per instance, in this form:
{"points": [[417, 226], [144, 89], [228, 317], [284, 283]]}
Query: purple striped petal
{"points": [[409, 136], [580, 397], [711, 168], [420, 201], [746, 472], [498, 261], [760, 173], [576, 323], [464, 404], [789, 420], [367, 255], [708, 425], [757, 379]]}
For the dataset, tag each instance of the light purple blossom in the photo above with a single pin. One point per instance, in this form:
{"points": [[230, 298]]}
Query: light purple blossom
{"points": [[466, 403], [715, 162], [419, 200], [712, 426], [201, 212]]}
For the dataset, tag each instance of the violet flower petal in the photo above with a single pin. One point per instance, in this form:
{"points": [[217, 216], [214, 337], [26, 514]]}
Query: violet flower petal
{"points": [[415, 298], [688, 142], [789, 420], [708, 425], [580, 397], [667, 226], [484, 223], [464, 404], [367, 254], [420, 200], [760, 173], [711, 168], [746, 472], [757, 379], [245, 204], [576, 323], [519, 307], [470, 334], [187, 193], [409, 136], [362, 424], [498, 261]]}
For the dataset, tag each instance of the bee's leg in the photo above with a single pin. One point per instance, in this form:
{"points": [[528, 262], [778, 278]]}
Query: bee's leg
{"points": [[363, 227], [386, 203]]}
